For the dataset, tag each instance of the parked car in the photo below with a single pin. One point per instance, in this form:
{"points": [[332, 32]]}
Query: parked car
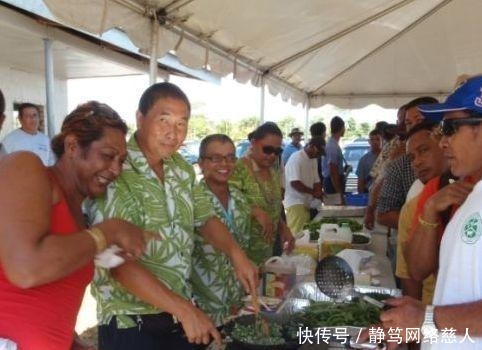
{"points": [[190, 151], [352, 153], [242, 147]]}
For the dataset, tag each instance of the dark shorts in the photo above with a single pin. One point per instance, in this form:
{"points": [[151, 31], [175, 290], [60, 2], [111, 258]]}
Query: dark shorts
{"points": [[112, 338]]}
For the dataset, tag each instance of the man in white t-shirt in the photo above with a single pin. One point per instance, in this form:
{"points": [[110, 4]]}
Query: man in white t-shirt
{"points": [[302, 183], [28, 137], [457, 303]]}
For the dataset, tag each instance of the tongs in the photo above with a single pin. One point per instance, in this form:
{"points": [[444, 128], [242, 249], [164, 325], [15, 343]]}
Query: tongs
{"points": [[259, 319]]}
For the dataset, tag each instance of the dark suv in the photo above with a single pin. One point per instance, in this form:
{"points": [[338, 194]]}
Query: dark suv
{"points": [[352, 153]]}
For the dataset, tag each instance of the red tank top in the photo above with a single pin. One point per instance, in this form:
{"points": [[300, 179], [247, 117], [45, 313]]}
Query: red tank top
{"points": [[43, 318]]}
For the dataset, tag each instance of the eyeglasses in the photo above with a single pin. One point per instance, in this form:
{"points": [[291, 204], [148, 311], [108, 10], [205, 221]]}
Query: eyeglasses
{"points": [[217, 159], [449, 127], [272, 150]]}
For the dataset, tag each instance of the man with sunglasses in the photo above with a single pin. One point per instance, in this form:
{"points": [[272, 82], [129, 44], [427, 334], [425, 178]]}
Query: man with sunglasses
{"points": [[458, 292], [302, 183]]}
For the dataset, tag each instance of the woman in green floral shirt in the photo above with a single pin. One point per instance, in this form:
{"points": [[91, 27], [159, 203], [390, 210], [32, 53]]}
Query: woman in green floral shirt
{"points": [[215, 286], [255, 176]]}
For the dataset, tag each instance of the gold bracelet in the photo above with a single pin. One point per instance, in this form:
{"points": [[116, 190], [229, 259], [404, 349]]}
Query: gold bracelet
{"points": [[99, 238], [428, 224]]}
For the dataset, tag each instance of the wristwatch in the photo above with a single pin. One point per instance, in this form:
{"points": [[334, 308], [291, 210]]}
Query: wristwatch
{"points": [[429, 329]]}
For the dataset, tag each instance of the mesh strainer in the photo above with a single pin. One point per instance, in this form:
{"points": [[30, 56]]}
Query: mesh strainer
{"points": [[334, 277]]}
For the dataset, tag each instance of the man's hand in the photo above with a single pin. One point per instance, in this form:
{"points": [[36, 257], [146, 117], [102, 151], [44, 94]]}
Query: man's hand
{"points": [[265, 222], [318, 193], [406, 313], [455, 193], [370, 218], [342, 199], [198, 327]]}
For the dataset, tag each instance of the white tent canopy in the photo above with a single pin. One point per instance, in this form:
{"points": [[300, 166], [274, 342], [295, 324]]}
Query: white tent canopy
{"points": [[350, 53]]}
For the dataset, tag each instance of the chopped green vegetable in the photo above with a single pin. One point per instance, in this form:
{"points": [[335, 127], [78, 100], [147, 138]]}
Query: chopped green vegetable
{"points": [[360, 239], [252, 334], [329, 314], [378, 296]]}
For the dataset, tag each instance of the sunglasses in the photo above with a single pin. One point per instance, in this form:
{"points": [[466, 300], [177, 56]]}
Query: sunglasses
{"points": [[217, 159], [449, 127], [272, 150]]}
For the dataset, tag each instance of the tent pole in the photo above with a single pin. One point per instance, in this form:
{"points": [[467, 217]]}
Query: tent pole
{"points": [[307, 116], [262, 100], [153, 56], [49, 86]]}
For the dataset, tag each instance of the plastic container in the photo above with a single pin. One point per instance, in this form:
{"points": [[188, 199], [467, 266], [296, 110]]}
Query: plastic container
{"points": [[357, 199], [278, 277], [334, 239]]}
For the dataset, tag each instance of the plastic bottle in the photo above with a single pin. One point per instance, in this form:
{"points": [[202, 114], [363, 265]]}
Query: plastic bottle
{"points": [[335, 240], [345, 233], [279, 277]]}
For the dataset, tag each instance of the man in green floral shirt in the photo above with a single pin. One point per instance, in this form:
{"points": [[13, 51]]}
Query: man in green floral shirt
{"points": [[156, 191]]}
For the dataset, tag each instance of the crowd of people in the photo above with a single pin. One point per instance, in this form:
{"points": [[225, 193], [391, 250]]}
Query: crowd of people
{"points": [[189, 251]]}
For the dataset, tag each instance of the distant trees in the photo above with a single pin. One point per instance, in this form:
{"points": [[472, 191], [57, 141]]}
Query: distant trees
{"points": [[200, 126], [352, 128]]}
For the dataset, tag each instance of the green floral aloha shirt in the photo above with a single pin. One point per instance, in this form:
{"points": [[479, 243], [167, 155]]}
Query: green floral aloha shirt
{"points": [[171, 209], [255, 192], [216, 288]]}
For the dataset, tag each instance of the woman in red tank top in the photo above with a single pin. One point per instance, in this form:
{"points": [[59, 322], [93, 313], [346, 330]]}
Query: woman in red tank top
{"points": [[46, 250]]}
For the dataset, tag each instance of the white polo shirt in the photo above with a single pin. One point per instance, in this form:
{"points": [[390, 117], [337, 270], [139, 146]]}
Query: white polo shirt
{"points": [[19, 140], [304, 169], [459, 278]]}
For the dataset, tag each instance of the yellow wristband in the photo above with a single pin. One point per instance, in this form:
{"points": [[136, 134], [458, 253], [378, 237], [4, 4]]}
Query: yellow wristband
{"points": [[99, 238], [428, 224]]}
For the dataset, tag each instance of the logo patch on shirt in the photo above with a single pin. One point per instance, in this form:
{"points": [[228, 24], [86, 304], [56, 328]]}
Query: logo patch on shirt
{"points": [[472, 229]]}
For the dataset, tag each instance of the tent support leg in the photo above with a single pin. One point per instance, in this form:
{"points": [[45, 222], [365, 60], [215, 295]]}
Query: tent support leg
{"points": [[153, 56], [49, 87], [307, 118], [262, 101]]}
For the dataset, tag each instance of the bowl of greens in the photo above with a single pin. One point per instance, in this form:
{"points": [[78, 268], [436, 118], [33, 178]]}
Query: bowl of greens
{"points": [[247, 333]]}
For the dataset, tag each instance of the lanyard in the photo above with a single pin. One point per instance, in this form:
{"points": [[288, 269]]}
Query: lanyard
{"points": [[228, 213]]}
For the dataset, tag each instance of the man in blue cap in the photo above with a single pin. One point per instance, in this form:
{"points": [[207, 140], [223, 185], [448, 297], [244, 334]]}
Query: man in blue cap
{"points": [[457, 303]]}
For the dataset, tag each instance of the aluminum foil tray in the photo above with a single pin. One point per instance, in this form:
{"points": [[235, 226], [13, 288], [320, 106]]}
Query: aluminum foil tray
{"points": [[310, 291], [342, 211], [292, 306]]}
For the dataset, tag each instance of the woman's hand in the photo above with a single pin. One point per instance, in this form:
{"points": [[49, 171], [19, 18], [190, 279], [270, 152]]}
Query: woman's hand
{"points": [[130, 238], [287, 238], [79, 344], [246, 272], [265, 222]]}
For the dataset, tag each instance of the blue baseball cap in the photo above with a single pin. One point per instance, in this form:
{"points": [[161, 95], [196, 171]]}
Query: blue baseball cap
{"points": [[467, 96]]}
